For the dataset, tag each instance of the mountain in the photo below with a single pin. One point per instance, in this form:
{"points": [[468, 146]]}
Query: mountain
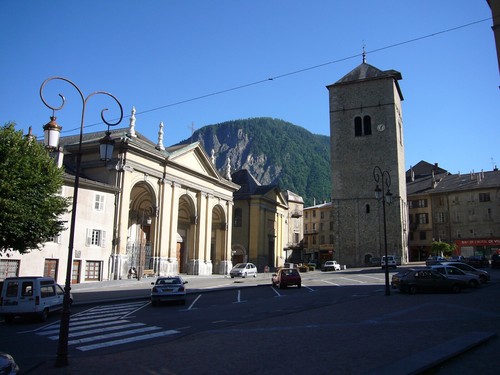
{"points": [[274, 152]]}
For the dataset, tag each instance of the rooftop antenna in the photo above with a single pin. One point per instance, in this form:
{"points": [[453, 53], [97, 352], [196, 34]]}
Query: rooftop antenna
{"points": [[364, 52]]}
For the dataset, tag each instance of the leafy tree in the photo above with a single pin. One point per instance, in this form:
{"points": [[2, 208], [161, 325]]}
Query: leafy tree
{"points": [[30, 204], [438, 247]]}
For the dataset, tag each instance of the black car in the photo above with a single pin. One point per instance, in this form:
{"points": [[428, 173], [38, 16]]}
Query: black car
{"points": [[478, 261], [428, 280], [495, 261]]}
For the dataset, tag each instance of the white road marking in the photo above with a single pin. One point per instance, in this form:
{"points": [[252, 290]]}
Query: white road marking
{"points": [[126, 341]]}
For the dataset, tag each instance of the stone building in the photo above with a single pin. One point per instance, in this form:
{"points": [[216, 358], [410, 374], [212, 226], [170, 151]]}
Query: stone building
{"points": [[319, 234], [366, 131], [263, 222], [161, 210]]}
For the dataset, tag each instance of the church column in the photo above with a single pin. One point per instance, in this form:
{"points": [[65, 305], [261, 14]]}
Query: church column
{"points": [[170, 224], [227, 263], [121, 260], [199, 265]]}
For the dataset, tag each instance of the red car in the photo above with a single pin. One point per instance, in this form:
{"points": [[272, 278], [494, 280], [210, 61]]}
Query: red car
{"points": [[286, 277]]}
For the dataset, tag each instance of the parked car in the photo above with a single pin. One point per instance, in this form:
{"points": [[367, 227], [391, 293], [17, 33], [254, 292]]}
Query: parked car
{"points": [[478, 261], [484, 276], [434, 260], [330, 265], [170, 288], [456, 258], [429, 280], [286, 277], [391, 261], [30, 295], [243, 270], [495, 261], [311, 266], [396, 278], [471, 279]]}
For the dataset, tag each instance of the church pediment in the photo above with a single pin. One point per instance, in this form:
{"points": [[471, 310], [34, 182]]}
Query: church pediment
{"points": [[194, 158]]}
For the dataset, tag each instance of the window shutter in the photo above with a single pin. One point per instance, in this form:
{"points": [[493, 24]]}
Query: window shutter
{"points": [[88, 239], [103, 238]]}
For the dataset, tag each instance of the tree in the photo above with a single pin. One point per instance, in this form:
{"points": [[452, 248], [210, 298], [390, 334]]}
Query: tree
{"points": [[30, 203], [438, 247]]}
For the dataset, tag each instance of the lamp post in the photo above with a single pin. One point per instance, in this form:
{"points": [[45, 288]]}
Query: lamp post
{"points": [[51, 139], [386, 196]]}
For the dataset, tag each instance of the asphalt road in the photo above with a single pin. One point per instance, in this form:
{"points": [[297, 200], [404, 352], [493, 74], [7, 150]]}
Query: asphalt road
{"points": [[340, 318]]}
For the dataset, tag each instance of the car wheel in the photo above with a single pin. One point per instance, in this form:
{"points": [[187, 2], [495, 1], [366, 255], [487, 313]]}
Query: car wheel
{"points": [[244, 275], [412, 289], [483, 279], [255, 274], [232, 277], [44, 315], [473, 284]]}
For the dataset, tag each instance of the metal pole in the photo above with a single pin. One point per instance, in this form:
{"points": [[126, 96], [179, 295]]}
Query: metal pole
{"points": [[385, 181], [62, 348]]}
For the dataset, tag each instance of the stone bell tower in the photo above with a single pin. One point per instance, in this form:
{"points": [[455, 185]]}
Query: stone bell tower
{"points": [[366, 130]]}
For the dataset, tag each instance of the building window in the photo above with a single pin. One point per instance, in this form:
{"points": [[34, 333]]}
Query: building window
{"points": [[99, 202], [296, 238], [322, 215], [422, 203], [50, 268], [367, 208], [321, 228], [410, 204], [237, 217], [56, 239], [422, 235], [362, 126], [314, 226], [306, 214], [9, 268], [314, 213], [331, 225], [423, 218], [322, 240], [314, 240], [305, 227], [484, 197], [96, 237], [331, 239], [92, 271], [440, 217]]}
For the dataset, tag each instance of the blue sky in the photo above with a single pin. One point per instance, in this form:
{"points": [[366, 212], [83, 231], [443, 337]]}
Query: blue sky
{"points": [[159, 56]]}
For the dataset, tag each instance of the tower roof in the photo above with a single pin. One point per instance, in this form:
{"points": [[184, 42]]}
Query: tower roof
{"points": [[366, 71]]}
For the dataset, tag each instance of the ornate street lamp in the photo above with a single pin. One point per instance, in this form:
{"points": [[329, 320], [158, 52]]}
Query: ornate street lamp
{"points": [[51, 134], [386, 196]]}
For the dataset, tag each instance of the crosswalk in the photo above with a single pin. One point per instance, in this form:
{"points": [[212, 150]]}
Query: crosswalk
{"points": [[105, 326]]}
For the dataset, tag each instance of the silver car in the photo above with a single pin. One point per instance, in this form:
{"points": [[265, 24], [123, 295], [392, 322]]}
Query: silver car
{"points": [[484, 276], [243, 270], [472, 280], [168, 289]]}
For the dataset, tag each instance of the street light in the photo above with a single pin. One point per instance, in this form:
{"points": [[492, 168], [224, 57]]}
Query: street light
{"points": [[51, 139], [380, 194]]}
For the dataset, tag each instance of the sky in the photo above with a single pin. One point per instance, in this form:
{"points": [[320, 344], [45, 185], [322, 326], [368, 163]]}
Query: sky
{"points": [[191, 63]]}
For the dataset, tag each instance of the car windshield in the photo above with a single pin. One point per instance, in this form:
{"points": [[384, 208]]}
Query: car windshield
{"points": [[241, 265], [168, 281]]}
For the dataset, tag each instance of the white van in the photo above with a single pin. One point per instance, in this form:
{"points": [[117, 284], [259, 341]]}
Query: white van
{"points": [[391, 261], [30, 295]]}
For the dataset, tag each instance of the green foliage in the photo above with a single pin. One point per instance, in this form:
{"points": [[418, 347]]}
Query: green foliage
{"points": [[438, 248], [300, 159], [30, 204]]}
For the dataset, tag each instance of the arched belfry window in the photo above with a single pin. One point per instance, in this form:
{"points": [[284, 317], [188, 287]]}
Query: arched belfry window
{"points": [[367, 125], [362, 126]]}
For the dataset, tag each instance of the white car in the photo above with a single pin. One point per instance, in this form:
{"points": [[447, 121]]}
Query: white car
{"points": [[473, 281], [244, 270], [330, 265], [169, 288]]}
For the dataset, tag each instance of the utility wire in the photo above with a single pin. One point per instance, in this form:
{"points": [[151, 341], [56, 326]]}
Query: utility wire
{"points": [[298, 71]]}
